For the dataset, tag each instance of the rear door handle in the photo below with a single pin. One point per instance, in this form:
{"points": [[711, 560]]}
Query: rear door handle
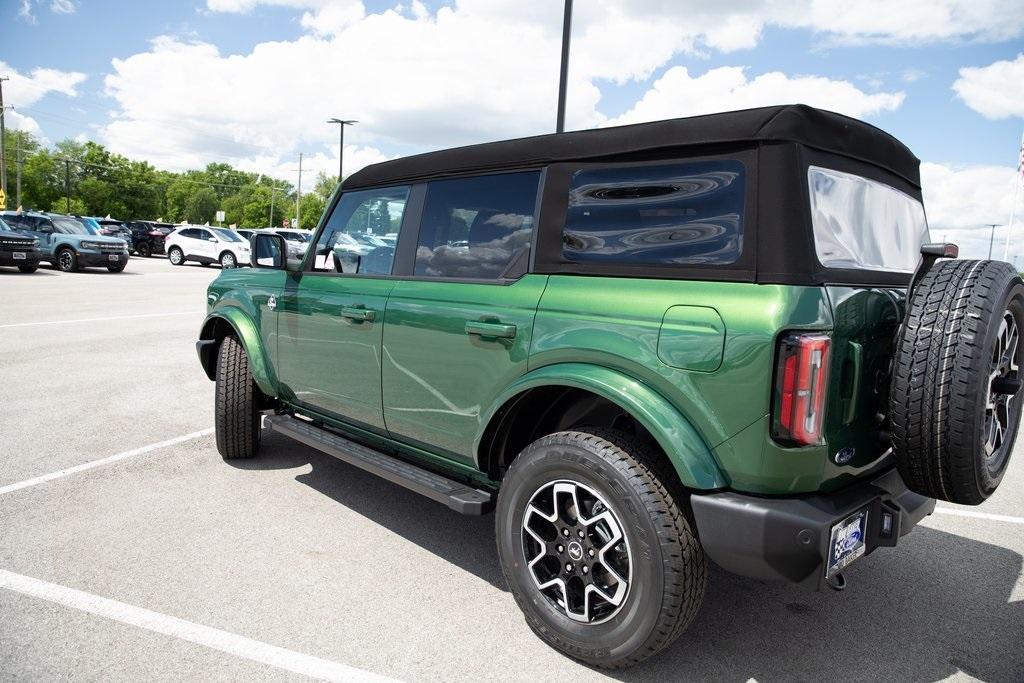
{"points": [[480, 328], [358, 313]]}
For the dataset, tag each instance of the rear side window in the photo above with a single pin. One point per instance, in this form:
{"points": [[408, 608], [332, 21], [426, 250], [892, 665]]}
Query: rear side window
{"points": [[672, 214], [864, 224], [477, 228]]}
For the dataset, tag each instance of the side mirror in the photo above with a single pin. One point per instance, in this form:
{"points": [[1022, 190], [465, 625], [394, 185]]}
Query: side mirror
{"points": [[47, 229], [268, 251], [211, 239], [350, 263]]}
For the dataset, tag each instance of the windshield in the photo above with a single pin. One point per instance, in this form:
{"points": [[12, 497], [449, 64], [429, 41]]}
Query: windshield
{"points": [[294, 236], [228, 235], [4, 227], [71, 227], [92, 225], [864, 224]]}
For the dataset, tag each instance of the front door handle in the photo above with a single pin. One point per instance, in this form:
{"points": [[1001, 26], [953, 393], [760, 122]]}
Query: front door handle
{"points": [[490, 330], [358, 313]]}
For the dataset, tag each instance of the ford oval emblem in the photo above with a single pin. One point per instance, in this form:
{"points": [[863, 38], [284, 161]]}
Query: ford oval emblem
{"points": [[845, 455]]}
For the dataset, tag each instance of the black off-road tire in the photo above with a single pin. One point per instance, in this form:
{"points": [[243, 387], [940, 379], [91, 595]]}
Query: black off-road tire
{"points": [[118, 268], [144, 250], [180, 256], [668, 567], [236, 403], [28, 269], [940, 383]]}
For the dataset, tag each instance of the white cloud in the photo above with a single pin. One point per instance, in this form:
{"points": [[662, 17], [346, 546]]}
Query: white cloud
{"points": [[63, 6], [25, 89], [677, 93], [995, 91], [912, 75], [961, 200]]}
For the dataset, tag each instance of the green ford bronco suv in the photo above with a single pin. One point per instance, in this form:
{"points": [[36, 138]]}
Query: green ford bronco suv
{"points": [[720, 337]]}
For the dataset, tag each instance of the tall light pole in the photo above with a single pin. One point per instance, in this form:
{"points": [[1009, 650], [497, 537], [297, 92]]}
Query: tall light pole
{"points": [[991, 237], [298, 195], [3, 136], [341, 138], [563, 75]]}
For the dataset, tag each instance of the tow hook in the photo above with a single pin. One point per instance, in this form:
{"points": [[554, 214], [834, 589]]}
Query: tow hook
{"points": [[837, 582]]}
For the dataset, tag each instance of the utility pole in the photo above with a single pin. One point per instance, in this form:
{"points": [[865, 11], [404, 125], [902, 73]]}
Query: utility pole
{"points": [[272, 188], [20, 162], [991, 237], [563, 76], [67, 183], [3, 137], [298, 195], [341, 139]]}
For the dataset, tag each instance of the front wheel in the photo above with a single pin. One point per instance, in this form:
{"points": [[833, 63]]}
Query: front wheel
{"points": [[67, 261], [144, 250], [176, 256], [596, 549], [118, 268], [236, 400], [227, 260]]}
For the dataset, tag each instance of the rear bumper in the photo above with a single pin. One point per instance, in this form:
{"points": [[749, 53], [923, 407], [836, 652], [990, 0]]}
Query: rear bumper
{"points": [[788, 538]]}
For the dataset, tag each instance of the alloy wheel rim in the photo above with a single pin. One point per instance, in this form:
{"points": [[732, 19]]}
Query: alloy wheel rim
{"points": [[576, 551], [227, 261], [65, 260], [999, 407], [175, 256]]}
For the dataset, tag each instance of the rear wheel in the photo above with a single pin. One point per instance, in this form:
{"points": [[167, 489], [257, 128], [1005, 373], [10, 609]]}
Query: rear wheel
{"points": [[596, 549], [118, 268], [955, 411], [236, 414], [176, 256], [67, 261], [28, 269], [144, 249]]}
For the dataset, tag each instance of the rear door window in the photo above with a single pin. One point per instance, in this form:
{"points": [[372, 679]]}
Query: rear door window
{"points": [[477, 228], [666, 214], [864, 224]]}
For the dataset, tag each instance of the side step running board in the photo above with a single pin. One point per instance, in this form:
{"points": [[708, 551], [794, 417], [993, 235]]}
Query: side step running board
{"points": [[457, 496]]}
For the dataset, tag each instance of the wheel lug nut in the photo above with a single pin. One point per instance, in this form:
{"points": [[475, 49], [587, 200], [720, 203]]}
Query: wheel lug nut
{"points": [[591, 552], [561, 548], [565, 532], [584, 569], [568, 567], [579, 532]]}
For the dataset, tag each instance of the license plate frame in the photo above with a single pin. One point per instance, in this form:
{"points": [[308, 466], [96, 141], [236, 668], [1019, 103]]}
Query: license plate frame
{"points": [[847, 542], [113, 257], [18, 256]]}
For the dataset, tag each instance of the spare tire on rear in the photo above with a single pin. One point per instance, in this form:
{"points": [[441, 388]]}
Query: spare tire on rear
{"points": [[954, 406]]}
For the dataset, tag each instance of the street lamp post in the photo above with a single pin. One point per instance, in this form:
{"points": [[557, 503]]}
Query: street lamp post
{"points": [[991, 238], [341, 138], [563, 75]]}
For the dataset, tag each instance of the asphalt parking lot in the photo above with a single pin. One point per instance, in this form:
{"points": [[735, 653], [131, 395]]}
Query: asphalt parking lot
{"points": [[165, 563]]}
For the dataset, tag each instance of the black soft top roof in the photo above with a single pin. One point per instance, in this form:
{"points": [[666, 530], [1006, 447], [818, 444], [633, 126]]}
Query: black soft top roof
{"points": [[797, 123]]}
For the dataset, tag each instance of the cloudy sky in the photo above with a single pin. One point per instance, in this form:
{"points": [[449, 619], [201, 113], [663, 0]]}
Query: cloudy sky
{"points": [[251, 82]]}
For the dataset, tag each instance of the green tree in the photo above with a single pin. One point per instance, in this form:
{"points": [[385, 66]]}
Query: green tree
{"points": [[201, 206]]}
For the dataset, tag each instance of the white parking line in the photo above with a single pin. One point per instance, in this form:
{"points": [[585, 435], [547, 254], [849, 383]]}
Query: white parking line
{"points": [[197, 314], [213, 638], [979, 515], [102, 461]]}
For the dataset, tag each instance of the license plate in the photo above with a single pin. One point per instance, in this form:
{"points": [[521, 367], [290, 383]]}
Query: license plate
{"points": [[112, 257], [847, 543], [19, 256]]}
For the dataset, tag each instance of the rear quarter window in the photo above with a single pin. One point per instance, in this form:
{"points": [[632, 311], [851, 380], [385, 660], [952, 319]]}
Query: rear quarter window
{"points": [[667, 214]]}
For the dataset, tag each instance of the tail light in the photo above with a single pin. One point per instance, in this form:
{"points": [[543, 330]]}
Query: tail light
{"points": [[801, 382], [156, 233]]}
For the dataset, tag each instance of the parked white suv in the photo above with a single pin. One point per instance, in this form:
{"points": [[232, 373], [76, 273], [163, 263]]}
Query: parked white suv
{"points": [[297, 241], [207, 245]]}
